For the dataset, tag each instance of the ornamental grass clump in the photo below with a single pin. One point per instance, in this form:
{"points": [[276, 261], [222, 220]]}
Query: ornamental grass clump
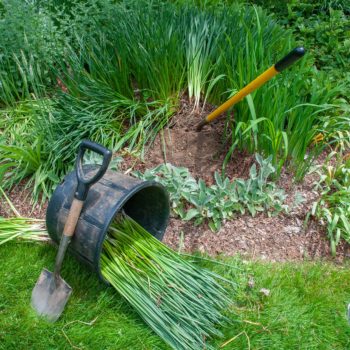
{"points": [[182, 303]]}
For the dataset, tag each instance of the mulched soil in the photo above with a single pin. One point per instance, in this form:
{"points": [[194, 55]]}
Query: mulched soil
{"points": [[280, 238], [20, 196]]}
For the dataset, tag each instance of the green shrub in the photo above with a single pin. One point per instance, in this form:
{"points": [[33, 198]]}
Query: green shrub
{"points": [[325, 28]]}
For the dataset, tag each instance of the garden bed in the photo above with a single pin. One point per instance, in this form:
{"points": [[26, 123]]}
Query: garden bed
{"points": [[279, 238]]}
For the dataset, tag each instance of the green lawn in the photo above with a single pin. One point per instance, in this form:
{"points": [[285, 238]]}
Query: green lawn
{"points": [[306, 308]]}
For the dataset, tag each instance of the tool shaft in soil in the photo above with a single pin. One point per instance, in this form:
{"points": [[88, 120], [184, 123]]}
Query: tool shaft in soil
{"points": [[255, 84]]}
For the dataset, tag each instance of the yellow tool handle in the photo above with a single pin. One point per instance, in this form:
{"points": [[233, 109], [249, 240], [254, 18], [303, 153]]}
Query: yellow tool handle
{"points": [[255, 84]]}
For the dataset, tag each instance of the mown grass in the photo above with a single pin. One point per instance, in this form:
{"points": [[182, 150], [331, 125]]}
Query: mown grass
{"points": [[116, 326], [306, 308]]}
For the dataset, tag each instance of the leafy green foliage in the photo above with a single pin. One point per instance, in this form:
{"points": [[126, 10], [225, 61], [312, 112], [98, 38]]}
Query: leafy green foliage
{"points": [[334, 128], [321, 25], [333, 207], [193, 200], [27, 145]]}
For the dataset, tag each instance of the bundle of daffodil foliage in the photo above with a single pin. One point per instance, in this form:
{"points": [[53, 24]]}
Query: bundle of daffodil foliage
{"points": [[22, 228], [180, 301], [19, 227]]}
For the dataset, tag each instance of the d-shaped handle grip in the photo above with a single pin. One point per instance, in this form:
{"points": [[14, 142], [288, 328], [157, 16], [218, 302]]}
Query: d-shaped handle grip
{"points": [[84, 182]]}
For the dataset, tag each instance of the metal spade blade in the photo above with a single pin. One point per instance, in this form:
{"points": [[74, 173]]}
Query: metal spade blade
{"points": [[50, 295], [51, 292]]}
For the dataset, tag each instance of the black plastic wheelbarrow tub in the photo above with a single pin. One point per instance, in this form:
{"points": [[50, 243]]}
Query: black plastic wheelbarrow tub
{"points": [[147, 202]]}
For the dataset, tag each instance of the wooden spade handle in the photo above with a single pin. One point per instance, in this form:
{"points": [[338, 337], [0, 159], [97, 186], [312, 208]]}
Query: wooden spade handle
{"points": [[73, 217], [68, 232], [79, 197]]}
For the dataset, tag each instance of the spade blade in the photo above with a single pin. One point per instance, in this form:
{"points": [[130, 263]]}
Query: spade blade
{"points": [[50, 295]]}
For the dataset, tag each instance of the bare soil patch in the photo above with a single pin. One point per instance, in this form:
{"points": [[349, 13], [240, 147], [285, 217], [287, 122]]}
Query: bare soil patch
{"points": [[201, 152]]}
